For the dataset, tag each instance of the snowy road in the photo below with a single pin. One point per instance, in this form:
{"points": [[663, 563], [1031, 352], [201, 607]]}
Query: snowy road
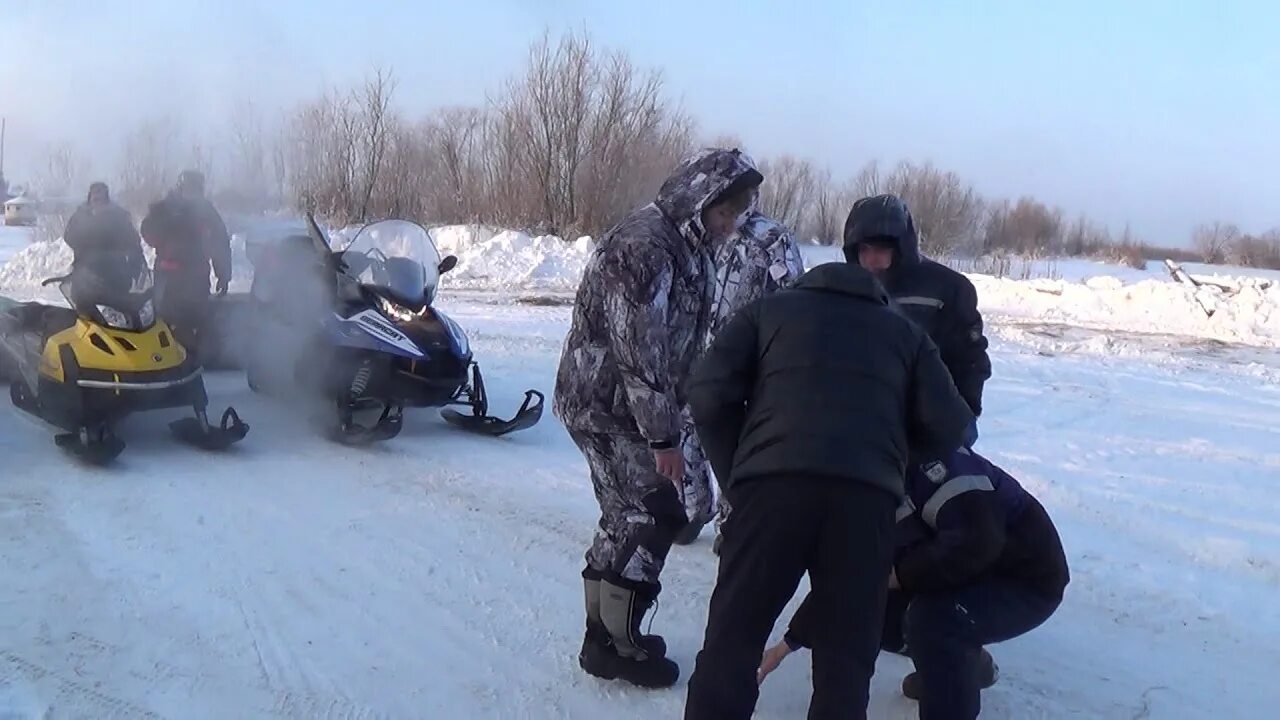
{"points": [[437, 576]]}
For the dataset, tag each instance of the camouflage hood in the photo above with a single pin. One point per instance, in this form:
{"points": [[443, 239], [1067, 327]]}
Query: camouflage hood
{"points": [[700, 179]]}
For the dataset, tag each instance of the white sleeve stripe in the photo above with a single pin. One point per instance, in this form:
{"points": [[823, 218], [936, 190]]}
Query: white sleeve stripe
{"points": [[952, 488]]}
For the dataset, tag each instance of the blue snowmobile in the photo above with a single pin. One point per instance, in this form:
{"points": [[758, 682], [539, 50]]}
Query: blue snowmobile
{"points": [[356, 326]]}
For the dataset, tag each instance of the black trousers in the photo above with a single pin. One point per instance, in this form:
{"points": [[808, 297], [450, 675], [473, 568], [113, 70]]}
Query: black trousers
{"points": [[841, 533], [946, 630], [182, 299]]}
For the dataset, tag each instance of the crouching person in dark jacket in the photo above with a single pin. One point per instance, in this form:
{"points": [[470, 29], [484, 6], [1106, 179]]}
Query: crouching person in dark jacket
{"points": [[806, 403], [979, 562]]}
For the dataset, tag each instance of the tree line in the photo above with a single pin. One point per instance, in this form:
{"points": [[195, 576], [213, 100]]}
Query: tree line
{"points": [[567, 146]]}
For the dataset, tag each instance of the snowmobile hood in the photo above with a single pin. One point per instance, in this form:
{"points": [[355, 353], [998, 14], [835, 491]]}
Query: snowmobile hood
{"points": [[700, 179], [846, 279], [882, 217]]}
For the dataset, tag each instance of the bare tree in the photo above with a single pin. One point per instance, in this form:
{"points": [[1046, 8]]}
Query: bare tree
{"points": [[947, 211], [458, 184], [830, 208], [63, 173], [1027, 228], [1213, 240], [868, 181], [248, 179], [374, 134], [788, 191], [150, 163]]}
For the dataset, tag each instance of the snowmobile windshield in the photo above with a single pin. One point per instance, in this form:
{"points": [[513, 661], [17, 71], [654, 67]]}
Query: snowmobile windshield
{"points": [[110, 284], [396, 257]]}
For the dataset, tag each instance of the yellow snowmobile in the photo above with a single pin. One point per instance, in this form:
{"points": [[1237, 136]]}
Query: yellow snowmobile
{"points": [[83, 368]]}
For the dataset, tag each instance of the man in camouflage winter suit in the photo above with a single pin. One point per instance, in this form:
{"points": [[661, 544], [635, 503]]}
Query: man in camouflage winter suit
{"points": [[641, 312], [761, 258]]}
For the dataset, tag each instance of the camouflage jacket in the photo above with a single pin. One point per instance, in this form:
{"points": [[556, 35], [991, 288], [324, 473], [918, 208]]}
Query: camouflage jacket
{"points": [[759, 259], [643, 308]]}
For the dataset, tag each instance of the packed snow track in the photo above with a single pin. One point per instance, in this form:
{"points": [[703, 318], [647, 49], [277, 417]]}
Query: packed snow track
{"points": [[437, 575]]}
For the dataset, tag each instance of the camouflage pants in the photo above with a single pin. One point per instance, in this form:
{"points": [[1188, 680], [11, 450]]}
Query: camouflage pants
{"points": [[699, 495], [701, 502], [640, 511]]}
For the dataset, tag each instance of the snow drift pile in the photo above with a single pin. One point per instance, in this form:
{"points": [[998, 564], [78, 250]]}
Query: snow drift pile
{"points": [[34, 264], [1245, 309], [489, 259]]}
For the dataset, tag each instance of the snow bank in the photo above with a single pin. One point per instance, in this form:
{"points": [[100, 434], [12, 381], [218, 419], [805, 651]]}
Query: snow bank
{"points": [[1104, 297], [512, 260], [1249, 315], [33, 264]]}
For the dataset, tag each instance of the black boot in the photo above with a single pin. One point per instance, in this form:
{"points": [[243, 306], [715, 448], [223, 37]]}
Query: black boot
{"points": [[988, 672], [622, 609], [598, 656]]}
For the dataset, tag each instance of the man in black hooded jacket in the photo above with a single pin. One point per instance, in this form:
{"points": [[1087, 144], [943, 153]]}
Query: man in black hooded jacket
{"points": [[881, 235], [813, 463]]}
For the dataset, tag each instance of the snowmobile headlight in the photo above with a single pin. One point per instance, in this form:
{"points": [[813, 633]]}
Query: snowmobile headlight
{"points": [[147, 314], [455, 330], [394, 311], [114, 318]]}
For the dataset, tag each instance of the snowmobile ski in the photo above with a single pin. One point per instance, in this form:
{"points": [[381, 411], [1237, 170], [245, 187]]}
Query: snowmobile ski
{"points": [[197, 431], [95, 446], [478, 422]]}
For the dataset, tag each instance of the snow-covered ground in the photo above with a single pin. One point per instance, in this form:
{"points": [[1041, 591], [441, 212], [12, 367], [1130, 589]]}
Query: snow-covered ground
{"points": [[437, 575]]}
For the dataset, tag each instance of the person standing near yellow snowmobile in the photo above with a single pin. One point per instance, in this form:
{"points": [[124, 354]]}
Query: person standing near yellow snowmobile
{"points": [[189, 236], [640, 314]]}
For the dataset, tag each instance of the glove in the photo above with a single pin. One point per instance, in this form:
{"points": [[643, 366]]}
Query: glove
{"points": [[222, 286]]}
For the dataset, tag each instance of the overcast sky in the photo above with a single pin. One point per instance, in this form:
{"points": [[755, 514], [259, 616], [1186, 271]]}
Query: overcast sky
{"points": [[1156, 113]]}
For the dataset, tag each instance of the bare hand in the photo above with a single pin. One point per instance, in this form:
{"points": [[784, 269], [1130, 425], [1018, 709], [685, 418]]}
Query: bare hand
{"points": [[773, 657], [670, 464]]}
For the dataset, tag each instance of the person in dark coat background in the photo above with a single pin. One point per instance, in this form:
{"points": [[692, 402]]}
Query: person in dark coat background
{"points": [[812, 461], [978, 561], [189, 237], [101, 236], [880, 234]]}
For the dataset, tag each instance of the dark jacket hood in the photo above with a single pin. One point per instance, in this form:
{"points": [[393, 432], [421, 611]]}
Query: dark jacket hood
{"points": [[882, 217], [846, 279], [700, 179]]}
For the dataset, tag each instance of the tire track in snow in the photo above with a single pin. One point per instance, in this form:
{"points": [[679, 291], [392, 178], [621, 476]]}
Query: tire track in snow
{"points": [[68, 694]]}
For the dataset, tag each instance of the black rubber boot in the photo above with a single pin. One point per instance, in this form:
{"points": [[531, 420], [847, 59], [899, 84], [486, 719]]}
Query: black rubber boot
{"points": [[988, 672], [622, 609], [597, 636]]}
